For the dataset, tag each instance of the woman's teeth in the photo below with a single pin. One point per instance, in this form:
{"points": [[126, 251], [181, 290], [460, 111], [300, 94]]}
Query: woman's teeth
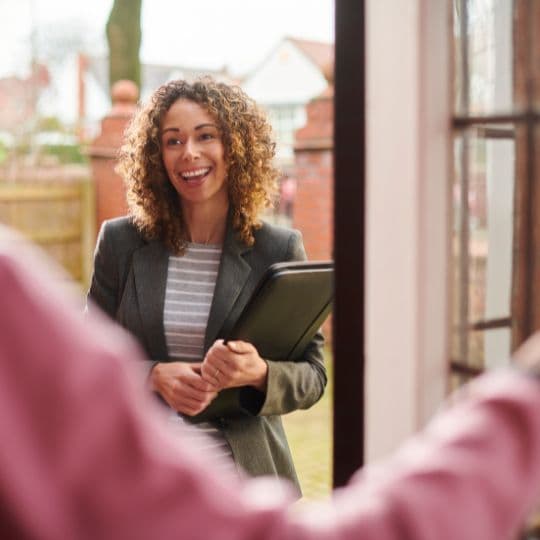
{"points": [[196, 174]]}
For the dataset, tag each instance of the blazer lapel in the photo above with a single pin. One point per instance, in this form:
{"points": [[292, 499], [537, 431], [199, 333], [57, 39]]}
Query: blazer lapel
{"points": [[150, 264], [232, 276]]}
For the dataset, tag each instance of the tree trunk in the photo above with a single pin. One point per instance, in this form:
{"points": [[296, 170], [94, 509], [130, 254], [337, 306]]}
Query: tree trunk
{"points": [[124, 38]]}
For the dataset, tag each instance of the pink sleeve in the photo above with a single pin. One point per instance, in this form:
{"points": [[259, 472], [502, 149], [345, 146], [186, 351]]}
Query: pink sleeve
{"points": [[472, 474], [84, 453]]}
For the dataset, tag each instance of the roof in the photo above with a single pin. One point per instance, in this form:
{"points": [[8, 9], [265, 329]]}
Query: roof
{"points": [[320, 53], [153, 75]]}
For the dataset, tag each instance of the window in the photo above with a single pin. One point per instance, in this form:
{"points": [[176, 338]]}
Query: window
{"points": [[495, 124], [286, 119]]}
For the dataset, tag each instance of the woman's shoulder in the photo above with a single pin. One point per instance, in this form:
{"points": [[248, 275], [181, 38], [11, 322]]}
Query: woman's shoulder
{"points": [[120, 227], [120, 237], [274, 243], [276, 233]]}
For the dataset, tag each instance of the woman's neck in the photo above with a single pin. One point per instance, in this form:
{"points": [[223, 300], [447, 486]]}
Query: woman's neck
{"points": [[205, 225]]}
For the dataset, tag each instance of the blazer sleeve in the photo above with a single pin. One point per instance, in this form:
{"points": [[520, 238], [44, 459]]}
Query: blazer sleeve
{"points": [[290, 385], [104, 287]]}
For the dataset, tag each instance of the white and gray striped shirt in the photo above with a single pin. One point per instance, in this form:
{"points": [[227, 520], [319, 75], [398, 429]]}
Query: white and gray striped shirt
{"points": [[191, 280]]}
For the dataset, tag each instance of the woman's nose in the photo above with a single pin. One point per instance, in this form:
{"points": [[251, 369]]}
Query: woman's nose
{"points": [[191, 150]]}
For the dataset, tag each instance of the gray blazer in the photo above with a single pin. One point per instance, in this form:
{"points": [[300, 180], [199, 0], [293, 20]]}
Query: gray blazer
{"points": [[129, 282]]}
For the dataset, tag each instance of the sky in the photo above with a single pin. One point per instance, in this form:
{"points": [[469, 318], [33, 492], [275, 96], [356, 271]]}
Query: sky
{"points": [[202, 33]]}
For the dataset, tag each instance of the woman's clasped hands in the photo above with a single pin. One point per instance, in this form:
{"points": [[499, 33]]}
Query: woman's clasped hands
{"points": [[234, 364], [182, 386], [190, 387]]}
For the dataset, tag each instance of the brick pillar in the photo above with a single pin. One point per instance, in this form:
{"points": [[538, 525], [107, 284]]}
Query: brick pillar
{"points": [[109, 186], [313, 153]]}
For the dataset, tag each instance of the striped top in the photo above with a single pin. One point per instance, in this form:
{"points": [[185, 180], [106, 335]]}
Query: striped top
{"points": [[191, 280]]}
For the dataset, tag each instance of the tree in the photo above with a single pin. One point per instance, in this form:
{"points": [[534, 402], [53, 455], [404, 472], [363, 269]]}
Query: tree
{"points": [[124, 39]]}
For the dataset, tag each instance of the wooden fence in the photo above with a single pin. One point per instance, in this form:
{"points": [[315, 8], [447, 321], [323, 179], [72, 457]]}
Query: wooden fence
{"points": [[57, 216]]}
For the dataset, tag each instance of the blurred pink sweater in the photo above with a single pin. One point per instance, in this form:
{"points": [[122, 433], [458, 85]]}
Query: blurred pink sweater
{"points": [[84, 453]]}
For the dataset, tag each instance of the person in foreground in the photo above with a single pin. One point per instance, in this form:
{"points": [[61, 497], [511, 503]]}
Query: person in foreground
{"points": [[178, 270], [85, 453]]}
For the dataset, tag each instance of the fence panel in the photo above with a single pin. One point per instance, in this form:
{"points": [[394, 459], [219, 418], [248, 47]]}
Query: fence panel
{"points": [[57, 216]]}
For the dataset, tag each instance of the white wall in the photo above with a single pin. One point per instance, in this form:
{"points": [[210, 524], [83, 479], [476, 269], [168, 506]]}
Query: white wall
{"points": [[408, 106]]}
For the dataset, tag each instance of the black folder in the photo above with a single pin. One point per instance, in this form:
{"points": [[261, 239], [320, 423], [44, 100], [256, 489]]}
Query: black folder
{"points": [[285, 311]]}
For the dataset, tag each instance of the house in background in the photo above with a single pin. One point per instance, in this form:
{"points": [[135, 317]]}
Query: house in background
{"points": [[93, 95], [20, 98], [293, 73], [77, 93]]}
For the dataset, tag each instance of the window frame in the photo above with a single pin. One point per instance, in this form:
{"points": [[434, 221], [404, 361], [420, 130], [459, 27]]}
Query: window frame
{"points": [[523, 317]]}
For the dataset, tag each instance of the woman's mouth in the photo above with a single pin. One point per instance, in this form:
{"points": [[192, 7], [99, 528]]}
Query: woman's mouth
{"points": [[195, 175]]}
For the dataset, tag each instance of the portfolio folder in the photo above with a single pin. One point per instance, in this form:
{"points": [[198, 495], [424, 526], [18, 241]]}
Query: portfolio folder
{"points": [[285, 311]]}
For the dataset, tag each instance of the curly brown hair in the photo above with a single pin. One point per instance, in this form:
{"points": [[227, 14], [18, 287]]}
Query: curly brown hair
{"points": [[246, 134]]}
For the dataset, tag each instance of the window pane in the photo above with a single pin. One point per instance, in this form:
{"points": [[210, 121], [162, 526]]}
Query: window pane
{"points": [[484, 54], [286, 119], [459, 260], [492, 347], [491, 195], [482, 235]]}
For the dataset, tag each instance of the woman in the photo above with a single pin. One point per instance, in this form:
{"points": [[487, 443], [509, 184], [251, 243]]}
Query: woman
{"points": [[179, 269]]}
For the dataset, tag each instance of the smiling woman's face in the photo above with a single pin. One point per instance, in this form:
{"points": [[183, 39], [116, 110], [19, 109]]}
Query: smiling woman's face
{"points": [[194, 155]]}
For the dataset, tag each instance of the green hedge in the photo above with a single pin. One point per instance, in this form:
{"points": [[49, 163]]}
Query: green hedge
{"points": [[66, 153]]}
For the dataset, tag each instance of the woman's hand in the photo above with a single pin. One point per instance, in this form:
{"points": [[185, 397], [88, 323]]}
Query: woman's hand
{"points": [[181, 385], [236, 363]]}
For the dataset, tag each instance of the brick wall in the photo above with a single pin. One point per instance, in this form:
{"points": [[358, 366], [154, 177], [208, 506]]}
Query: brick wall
{"points": [[314, 204], [313, 212]]}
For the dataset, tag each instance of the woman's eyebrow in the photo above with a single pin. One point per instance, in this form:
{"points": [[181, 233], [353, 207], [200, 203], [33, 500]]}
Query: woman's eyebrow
{"points": [[169, 129], [200, 126]]}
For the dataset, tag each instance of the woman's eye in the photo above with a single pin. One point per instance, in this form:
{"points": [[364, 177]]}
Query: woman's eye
{"points": [[207, 136], [173, 141]]}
